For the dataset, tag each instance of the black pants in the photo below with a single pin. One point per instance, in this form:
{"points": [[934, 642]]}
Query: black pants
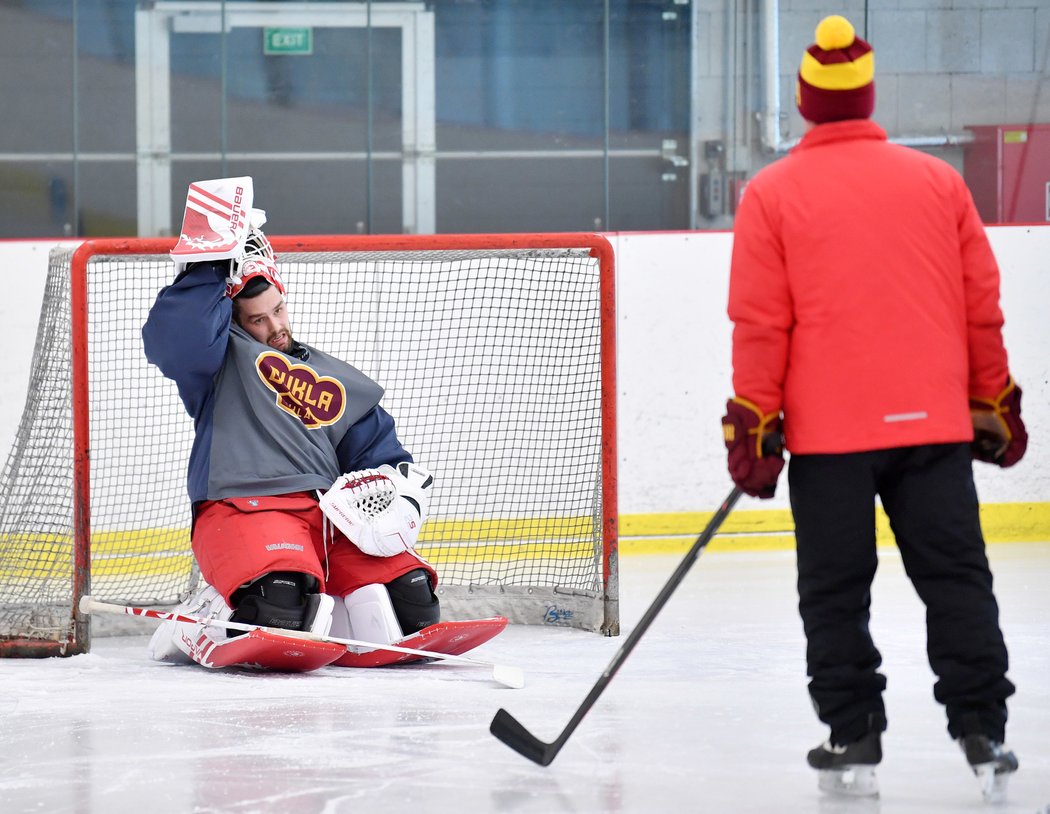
{"points": [[929, 495]]}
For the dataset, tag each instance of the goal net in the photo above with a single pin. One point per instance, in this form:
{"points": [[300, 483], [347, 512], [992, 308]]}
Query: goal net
{"points": [[497, 357]]}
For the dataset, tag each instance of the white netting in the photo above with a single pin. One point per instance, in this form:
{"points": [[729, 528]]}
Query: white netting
{"points": [[491, 361]]}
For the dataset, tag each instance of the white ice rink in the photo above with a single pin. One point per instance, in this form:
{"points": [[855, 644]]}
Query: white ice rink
{"points": [[709, 714]]}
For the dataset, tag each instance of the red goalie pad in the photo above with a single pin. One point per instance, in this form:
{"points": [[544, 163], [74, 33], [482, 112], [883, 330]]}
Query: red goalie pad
{"points": [[449, 638], [263, 650]]}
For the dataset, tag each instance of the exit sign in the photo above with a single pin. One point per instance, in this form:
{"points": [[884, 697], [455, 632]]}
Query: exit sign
{"points": [[288, 41]]}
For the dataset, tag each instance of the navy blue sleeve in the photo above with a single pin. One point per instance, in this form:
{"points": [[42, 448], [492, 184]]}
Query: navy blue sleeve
{"points": [[187, 331], [371, 442]]}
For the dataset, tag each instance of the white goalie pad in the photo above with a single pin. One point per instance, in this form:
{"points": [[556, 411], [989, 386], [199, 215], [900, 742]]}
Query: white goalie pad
{"points": [[172, 640], [216, 220], [368, 616], [380, 510]]}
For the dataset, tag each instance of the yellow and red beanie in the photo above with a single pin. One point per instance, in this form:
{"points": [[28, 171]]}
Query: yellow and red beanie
{"points": [[836, 79]]}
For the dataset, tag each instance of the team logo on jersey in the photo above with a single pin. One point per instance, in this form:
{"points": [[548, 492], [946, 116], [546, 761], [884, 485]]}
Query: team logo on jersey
{"points": [[315, 400]]}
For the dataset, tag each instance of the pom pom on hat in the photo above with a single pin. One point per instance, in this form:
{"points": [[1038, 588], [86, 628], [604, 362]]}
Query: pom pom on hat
{"points": [[836, 79], [835, 32]]}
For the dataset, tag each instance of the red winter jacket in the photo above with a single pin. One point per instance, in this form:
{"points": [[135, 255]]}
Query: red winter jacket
{"points": [[864, 295]]}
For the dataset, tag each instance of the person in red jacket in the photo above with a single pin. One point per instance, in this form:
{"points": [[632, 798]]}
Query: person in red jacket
{"points": [[867, 340]]}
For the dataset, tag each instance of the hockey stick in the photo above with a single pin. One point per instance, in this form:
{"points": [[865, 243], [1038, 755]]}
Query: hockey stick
{"points": [[505, 727], [506, 675]]}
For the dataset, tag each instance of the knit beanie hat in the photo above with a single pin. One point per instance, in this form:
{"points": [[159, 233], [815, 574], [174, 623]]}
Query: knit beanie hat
{"points": [[836, 79]]}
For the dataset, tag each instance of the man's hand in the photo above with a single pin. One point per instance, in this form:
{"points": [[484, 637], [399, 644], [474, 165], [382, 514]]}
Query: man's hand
{"points": [[999, 434], [756, 447]]}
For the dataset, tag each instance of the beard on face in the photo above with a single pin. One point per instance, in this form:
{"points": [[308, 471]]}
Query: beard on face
{"points": [[286, 333]]}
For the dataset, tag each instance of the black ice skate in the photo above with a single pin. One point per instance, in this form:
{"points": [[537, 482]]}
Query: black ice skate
{"points": [[991, 762], [848, 769]]}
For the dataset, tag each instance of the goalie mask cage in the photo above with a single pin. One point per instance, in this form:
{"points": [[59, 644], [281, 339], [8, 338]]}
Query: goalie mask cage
{"points": [[497, 356]]}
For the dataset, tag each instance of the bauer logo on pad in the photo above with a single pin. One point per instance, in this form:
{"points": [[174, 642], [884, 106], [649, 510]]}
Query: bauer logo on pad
{"points": [[215, 223]]}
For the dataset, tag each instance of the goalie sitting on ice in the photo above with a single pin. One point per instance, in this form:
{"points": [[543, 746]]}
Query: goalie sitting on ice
{"points": [[278, 424]]}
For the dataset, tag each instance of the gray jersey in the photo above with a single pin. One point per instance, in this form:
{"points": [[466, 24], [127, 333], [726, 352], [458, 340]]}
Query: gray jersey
{"points": [[277, 419]]}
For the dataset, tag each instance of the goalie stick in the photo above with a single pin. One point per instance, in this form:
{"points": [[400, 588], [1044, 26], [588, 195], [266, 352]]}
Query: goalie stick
{"points": [[506, 675], [507, 728]]}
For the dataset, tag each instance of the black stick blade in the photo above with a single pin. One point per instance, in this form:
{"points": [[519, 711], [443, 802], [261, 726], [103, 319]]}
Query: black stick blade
{"points": [[506, 727], [522, 741]]}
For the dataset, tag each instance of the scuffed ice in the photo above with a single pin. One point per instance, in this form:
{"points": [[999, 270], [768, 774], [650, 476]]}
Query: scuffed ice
{"points": [[708, 714]]}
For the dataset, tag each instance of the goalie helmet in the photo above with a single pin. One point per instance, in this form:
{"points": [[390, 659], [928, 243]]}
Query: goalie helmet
{"points": [[255, 260], [256, 244], [247, 270]]}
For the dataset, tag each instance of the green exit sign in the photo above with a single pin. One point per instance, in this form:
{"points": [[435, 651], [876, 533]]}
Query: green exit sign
{"points": [[288, 41]]}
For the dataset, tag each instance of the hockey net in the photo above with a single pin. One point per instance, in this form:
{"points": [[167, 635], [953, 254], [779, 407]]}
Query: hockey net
{"points": [[497, 357]]}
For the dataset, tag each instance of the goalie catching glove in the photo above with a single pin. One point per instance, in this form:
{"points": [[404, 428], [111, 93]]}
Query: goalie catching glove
{"points": [[380, 510]]}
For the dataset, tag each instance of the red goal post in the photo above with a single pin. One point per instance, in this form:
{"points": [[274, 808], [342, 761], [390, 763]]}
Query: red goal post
{"points": [[497, 353]]}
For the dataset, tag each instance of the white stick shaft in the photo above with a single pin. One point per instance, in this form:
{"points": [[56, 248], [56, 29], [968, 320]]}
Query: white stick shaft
{"points": [[502, 673]]}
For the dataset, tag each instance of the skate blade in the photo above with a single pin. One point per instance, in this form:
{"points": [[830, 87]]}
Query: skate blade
{"points": [[993, 786], [849, 781]]}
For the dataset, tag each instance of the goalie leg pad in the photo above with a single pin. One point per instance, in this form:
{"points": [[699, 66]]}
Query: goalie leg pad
{"points": [[169, 641], [280, 599], [214, 646], [371, 617], [414, 600]]}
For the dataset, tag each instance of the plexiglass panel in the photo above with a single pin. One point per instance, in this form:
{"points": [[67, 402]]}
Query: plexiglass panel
{"points": [[482, 115]]}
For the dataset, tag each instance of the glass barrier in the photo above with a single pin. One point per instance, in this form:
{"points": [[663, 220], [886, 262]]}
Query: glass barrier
{"points": [[482, 116]]}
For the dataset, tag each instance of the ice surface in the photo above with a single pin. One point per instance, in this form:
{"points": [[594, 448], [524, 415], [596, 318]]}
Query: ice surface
{"points": [[709, 714]]}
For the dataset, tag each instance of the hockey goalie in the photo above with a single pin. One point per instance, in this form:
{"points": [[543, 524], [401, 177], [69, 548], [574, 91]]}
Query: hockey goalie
{"points": [[306, 507]]}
